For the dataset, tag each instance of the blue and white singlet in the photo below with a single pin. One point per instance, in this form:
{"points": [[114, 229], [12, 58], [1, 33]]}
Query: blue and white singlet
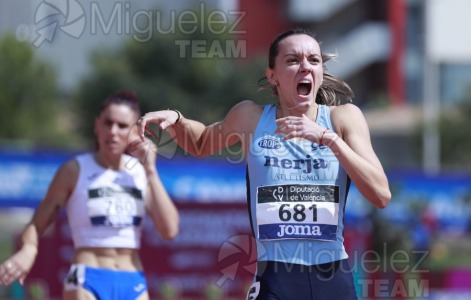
{"points": [[297, 191]]}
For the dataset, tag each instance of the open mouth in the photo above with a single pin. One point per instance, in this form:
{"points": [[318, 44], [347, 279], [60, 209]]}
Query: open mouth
{"points": [[304, 88]]}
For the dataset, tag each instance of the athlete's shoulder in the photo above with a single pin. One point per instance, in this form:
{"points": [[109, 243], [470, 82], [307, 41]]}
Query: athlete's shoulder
{"points": [[346, 114], [64, 180], [248, 106], [70, 167], [244, 115], [345, 109]]}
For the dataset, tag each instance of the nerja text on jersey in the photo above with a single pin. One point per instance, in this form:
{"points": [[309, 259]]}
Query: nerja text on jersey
{"points": [[308, 169]]}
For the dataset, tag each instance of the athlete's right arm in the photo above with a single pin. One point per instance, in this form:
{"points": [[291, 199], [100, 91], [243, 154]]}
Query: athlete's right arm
{"points": [[20, 263], [201, 140]]}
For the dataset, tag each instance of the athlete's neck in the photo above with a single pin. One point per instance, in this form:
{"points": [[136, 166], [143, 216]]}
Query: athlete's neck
{"points": [[310, 112], [108, 162]]}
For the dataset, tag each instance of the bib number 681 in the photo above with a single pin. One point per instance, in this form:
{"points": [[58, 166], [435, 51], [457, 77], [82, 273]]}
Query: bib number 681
{"points": [[297, 213]]}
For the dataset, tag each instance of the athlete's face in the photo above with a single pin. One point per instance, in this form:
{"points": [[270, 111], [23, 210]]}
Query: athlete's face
{"points": [[112, 128], [298, 71]]}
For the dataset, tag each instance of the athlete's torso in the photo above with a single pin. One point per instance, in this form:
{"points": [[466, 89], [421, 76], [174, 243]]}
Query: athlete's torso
{"points": [[297, 191], [107, 207]]}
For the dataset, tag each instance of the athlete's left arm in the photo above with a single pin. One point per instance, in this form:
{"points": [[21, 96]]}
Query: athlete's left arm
{"points": [[159, 206], [352, 146]]}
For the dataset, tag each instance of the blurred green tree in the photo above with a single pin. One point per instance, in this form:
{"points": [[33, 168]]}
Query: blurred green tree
{"points": [[29, 106], [166, 72], [455, 137], [454, 125]]}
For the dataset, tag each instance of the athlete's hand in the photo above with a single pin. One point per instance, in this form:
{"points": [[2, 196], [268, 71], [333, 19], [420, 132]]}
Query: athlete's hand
{"points": [[299, 127], [144, 150], [164, 118], [18, 266]]}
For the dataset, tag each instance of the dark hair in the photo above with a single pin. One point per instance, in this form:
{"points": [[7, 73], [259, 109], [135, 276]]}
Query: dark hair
{"points": [[125, 97], [332, 88], [274, 46]]}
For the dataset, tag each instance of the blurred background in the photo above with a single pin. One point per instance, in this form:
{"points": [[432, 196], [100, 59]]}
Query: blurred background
{"points": [[408, 62]]}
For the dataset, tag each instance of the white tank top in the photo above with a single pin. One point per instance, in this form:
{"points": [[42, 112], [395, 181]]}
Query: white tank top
{"points": [[106, 208]]}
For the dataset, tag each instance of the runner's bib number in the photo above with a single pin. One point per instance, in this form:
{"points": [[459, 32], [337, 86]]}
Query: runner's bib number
{"points": [[116, 207], [297, 212]]}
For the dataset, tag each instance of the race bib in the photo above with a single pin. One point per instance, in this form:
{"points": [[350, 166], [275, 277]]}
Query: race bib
{"points": [[116, 207], [296, 211]]}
